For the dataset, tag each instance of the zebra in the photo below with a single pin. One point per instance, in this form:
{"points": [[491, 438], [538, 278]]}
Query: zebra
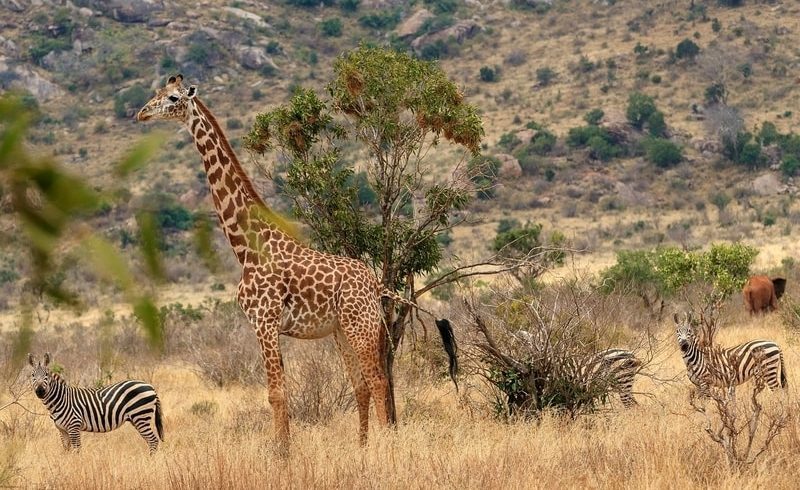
{"points": [[75, 409], [611, 369], [615, 368], [725, 368]]}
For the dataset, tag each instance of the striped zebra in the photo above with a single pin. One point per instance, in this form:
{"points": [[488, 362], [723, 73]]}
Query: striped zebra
{"points": [[725, 368], [609, 370], [615, 370], [76, 409]]}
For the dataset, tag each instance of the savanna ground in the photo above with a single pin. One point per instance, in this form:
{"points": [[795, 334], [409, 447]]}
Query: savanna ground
{"points": [[218, 426]]}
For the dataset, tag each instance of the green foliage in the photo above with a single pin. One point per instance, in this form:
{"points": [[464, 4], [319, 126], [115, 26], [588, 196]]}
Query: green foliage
{"points": [[509, 141], [790, 165], [374, 90], [725, 268], [489, 74], [687, 49], [594, 116], [515, 241], [731, 3], [41, 46], [132, 98], [545, 75], [656, 125], [640, 108], [716, 25], [768, 134], [720, 200], [380, 19], [331, 27], [601, 143], [442, 6], [349, 6], [716, 93], [310, 3], [662, 152]]}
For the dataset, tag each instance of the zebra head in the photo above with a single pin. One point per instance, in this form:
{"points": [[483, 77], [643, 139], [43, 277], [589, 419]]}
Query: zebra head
{"points": [[685, 332], [41, 376]]}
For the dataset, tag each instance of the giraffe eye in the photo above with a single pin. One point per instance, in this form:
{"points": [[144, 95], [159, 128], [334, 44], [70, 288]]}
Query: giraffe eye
{"points": [[173, 98]]}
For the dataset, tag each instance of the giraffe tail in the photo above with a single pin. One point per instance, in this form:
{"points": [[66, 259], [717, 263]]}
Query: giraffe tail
{"points": [[450, 346], [159, 424]]}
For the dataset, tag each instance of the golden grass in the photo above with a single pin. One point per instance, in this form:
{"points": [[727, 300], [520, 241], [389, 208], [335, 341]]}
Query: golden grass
{"points": [[443, 441]]}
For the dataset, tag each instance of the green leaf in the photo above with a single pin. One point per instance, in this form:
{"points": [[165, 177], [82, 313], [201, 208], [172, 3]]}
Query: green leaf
{"points": [[149, 238], [140, 154], [145, 310]]}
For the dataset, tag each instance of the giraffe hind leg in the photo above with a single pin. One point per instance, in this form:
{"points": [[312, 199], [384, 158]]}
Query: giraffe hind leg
{"points": [[360, 387]]}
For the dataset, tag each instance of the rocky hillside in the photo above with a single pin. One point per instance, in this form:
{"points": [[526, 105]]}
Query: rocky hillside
{"points": [[621, 123]]}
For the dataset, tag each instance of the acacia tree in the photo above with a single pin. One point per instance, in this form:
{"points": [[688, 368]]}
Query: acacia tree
{"points": [[390, 110]]}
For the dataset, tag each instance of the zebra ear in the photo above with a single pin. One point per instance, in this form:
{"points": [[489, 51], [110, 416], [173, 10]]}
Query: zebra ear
{"points": [[30, 359], [46, 359]]}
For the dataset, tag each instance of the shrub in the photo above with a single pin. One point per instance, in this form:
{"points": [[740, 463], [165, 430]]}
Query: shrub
{"points": [[751, 155], [687, 49], [716, 25], [662, 152], [488, 74], [640, 107], [331, 27], [543, 142], [601, 149], [442, 6], [545, 75], [133, 98], [509, 141], [234, 123], [273, 47], [349, 6], [790, 165], [656, 125], [381, 20], [716, 93], [768, 134], [594, 116], [720, 200]]}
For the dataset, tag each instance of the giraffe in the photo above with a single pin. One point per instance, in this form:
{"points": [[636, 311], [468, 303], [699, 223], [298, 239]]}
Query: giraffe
{"points": [[286, 288]]}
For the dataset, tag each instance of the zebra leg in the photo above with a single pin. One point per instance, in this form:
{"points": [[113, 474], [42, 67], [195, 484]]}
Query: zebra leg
{"points": [[74, 435], [145, 428], [359, 384], [626, 396], [64, 438]]}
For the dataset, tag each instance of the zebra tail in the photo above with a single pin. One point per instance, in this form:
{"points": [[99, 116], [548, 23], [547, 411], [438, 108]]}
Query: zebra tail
{"points": [[450, 347], [159, 425], [784, 381]]}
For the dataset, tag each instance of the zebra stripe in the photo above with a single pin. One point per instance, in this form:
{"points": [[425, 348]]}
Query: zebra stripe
{"points": [[75, 409], [613, 369], [726, 368], [616, 368]]}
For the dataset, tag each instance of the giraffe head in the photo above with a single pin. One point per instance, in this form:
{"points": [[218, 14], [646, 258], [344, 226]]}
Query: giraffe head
{"points": [[41, 376], [685, 332], [172, 102]]}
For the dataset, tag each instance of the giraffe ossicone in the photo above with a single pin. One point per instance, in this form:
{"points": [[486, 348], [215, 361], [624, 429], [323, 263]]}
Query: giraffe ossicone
{"points": [[286, 288]]}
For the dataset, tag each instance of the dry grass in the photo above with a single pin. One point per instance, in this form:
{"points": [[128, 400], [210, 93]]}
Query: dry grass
{"points": [[443, 440]]}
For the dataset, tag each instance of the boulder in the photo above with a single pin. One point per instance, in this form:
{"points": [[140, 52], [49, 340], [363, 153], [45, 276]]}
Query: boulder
{"points": [[13, 5], [128, 11], [254, 58], [509, 166], [245, 15], [24, 78], [767, 184], [413, 24]]}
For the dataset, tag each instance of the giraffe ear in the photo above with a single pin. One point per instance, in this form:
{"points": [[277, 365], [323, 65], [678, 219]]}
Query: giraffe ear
{"points": [[192, 91], [30, 359], [46, 359], [175, 78]]}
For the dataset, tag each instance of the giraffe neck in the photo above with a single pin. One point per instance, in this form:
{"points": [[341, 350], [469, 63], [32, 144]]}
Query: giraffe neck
{"points": [[235, 199]]}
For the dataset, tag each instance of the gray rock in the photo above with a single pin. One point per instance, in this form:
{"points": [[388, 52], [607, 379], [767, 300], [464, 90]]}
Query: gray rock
{"points": [[24, 78], [8, 48], [244, 14], [766, 184], [254, 58], [13, 5], [509, 166], [128, 11]]}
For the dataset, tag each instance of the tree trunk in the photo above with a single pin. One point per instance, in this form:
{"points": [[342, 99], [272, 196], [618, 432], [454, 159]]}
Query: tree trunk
{"points": [[396, 322]]}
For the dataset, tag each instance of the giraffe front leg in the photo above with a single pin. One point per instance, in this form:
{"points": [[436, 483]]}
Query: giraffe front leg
{"points": [[271, 356]]}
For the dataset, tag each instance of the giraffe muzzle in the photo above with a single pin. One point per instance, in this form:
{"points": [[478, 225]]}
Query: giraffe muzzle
{"points": [[143, 115]]}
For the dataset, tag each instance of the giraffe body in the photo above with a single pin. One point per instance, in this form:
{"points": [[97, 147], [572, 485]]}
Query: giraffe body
{"points": [[286, 287]]}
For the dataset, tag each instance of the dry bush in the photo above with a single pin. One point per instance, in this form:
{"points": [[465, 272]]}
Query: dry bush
{"points": [[539, 352], [317, 382]]}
